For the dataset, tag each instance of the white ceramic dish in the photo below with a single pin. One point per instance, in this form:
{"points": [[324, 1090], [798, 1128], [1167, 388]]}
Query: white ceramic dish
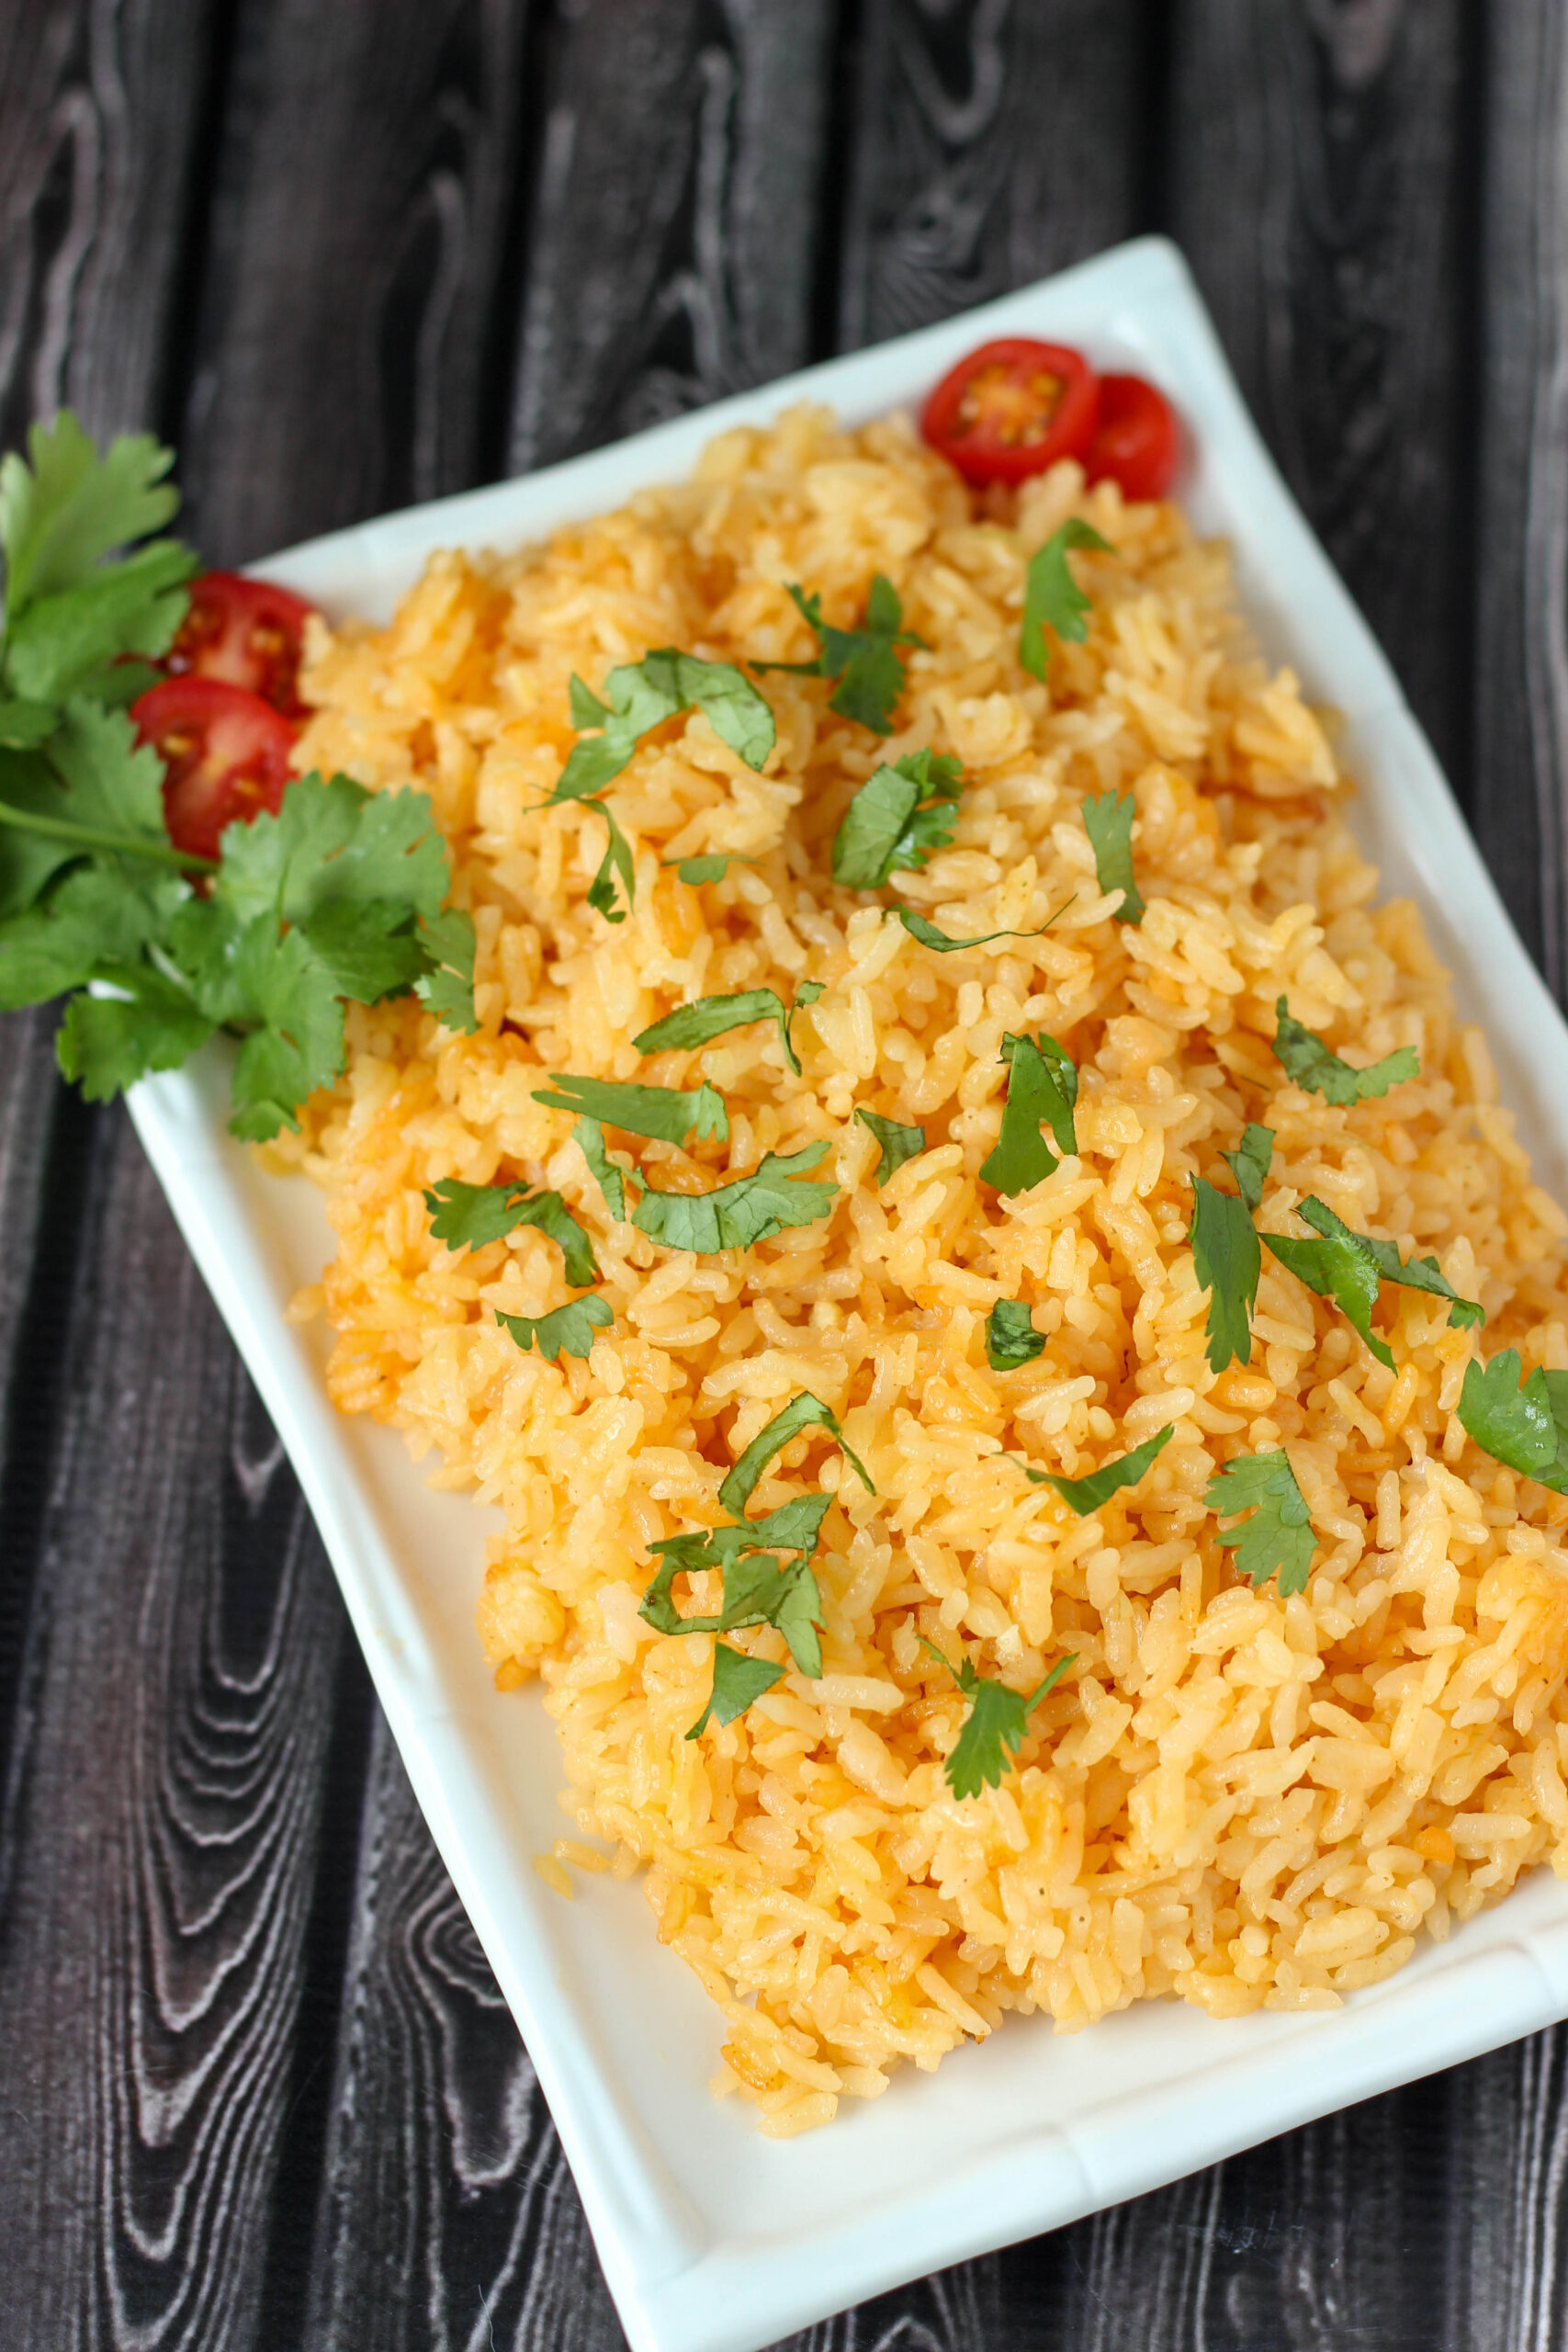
{"points": [[713, 2239]]}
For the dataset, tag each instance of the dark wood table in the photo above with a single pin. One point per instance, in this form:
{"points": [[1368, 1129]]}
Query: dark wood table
{"points": [[257, 2089]]}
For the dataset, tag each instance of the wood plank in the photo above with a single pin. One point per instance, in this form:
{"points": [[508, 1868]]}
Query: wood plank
{"points": [[98, 117], [1520, 658], [171, 1843], [449, 2209], [369, 163], [674, 233], [1320, 180], [994, 140]]}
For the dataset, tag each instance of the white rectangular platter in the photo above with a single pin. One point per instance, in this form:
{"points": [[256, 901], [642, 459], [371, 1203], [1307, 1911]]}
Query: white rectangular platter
{"points": [[713, 2239]]}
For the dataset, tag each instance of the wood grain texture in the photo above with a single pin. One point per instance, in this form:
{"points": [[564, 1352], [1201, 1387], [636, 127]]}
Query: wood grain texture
{"points": [[675, 222], [1316, 162], [160, 1818], [1521, 637], [447, 2207], [356, 239], [994, 140]]}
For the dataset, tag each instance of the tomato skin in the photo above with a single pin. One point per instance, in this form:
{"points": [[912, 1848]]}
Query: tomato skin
{"points": [[225, 754], [245, 632], [1012, 408], [1137, 441]]}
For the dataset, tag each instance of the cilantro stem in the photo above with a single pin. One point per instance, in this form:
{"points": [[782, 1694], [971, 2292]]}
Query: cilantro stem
{"points": [[62, 828]]}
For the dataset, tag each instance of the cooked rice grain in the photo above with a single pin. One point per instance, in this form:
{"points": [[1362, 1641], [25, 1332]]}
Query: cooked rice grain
{"points": [[1243, 1801]]}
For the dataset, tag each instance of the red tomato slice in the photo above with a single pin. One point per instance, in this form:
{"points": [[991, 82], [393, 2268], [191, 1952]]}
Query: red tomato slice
{"points": [[1012, 409], [226, 753], [246, 632], [1137, 441]]}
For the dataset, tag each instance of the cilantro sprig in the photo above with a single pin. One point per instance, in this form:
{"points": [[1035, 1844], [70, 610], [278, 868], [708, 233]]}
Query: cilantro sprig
{"points": [[1349, 1268], [1052, 597], [995, 1727], [866, 661], [1277, 1535], [708, 1017], [899, 818], [1524, 1426], [639, 697], [1305, 1058], [1043, 1090], [1108, 819]]}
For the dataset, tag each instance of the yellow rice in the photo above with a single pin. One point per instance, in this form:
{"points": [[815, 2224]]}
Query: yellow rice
{"points": [[1241, 1801]]}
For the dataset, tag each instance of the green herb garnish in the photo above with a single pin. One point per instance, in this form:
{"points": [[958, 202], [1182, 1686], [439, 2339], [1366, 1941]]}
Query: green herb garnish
{"points": [[994, 1727], [611, 1178], [1108, 821], [665, 1112], [1052, 597], [1347, 1267], [898, 1143], [1279, 1534], [1525, 1428], [468, 1216], [1087, 1494], [567, 1329], [804, 1412], [919, 927], [1043, 1088], [899, 817], [737, 1680], [1251, 1164], [1227, 1261], [696, 870], [713, 1016], [865, 661], [751, 1208], [1305, 1058], [640, 696], [1011, 1338]]}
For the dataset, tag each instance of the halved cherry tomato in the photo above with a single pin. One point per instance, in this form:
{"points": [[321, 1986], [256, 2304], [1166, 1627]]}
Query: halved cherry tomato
{"points": [[247, 633], [1137, 441], [1012, 409], [225, 753]]}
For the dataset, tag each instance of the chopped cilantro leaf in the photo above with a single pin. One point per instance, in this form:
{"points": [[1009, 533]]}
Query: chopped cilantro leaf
{"points": [[865, 661], [618, 860], [1227, 1261], [1337, 1266], [665, 1112], [712, 1016], [1412, 1274], [737, 1680], [1251, 1164], [919, 927], [757, 1588], [640, 696], [1043, 1088], [696, 870], [445, 986], [749, 1209], [1525, 1428], [1305, 1058], [899, 817], [804, 1412], [611, 1178], [1279, 1534], [567, 1329], [468, 1216], [1087, 1494], [1011, 1338], [898, 1143], [1052, 597], [994, 1727], [1108, 821]]}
